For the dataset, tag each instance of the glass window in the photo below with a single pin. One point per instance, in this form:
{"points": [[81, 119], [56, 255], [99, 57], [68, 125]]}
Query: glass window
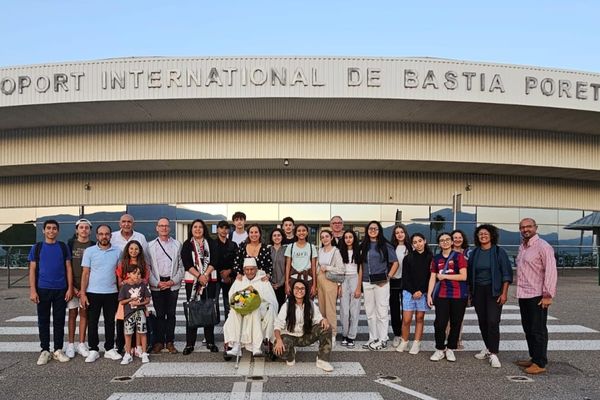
{"points": [[540, 215], [409, 212], [17, 215], [305, 212], [206, 212], [565, 217], [493, 215], [357, 212], [151, 212], [509, 234], [257, 212], [549, 233], [61, 214]]}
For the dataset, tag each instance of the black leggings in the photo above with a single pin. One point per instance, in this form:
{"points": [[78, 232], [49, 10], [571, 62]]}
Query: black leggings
{"points": [[452, 310]]}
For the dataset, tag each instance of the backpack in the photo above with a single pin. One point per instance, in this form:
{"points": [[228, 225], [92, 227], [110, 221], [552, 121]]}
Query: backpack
{"points": [[36, 258]]}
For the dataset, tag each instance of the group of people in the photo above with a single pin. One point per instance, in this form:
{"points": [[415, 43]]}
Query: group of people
{"points": [[399, 278]]}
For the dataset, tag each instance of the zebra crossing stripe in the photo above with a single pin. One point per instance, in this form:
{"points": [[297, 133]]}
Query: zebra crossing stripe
{"points": [[264, 396]]}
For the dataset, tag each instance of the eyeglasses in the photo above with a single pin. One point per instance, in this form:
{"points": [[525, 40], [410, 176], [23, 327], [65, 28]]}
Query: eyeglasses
{"points": [[445, 240], [162, 226], [300, 289], [373, 229]]}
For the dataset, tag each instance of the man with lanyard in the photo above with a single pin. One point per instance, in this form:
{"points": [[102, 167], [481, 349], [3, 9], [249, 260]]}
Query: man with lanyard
{"points": [[337, 228], [127, 234], [50, 288], [166, 274], [536, 287], [77, 246], [223, 260], [99, 292]]}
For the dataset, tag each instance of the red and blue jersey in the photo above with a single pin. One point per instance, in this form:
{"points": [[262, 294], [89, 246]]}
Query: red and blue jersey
{"points": [[451, 289]]}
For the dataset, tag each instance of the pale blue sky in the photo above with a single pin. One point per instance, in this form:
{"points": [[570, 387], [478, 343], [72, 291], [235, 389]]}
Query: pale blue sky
{"points": [[562, 34]]}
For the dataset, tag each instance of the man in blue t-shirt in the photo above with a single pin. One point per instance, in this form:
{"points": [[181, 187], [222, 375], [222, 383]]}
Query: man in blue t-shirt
{"points": [[50, 288]]}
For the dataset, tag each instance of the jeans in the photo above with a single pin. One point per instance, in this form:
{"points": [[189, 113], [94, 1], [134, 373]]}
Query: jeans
{"points": [[534, 319], [377, 302], [452, 310], [489, 313], [51, 299], [107, 303], [165, 305]]}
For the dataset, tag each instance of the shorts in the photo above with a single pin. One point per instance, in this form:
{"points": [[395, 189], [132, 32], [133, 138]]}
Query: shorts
{"points": [[135, 322], [410, 304], [73, 303]]}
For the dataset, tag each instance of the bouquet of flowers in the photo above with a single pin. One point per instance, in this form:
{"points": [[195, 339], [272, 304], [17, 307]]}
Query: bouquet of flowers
{"points": [[245, 301]]}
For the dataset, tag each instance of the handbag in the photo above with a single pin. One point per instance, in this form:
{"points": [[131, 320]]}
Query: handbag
{"points": [[378, 278], [436, 288], [200, 312], [333, 277]]}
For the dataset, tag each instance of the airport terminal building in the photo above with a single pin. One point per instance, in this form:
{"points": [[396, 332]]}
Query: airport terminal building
{"points": [[390, 139]]}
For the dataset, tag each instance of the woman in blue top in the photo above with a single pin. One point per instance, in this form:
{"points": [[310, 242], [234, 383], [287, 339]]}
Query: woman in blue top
{"points": [[379, 263], [490, 274]]}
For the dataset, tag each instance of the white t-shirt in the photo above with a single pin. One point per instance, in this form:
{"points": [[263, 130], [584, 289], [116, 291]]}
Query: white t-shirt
{"points": [[301, 255], [351, 267], [239, 237], [281, 325], [117, 240], [400, 253]]}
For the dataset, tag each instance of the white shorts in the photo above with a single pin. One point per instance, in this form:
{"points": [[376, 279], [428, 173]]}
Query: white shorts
{"points": [[73, 303]]}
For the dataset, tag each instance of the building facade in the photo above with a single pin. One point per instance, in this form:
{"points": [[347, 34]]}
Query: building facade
{"points": [[364, 138]]}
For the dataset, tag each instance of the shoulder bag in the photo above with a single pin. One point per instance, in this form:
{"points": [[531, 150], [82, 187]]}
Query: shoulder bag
{"points": [[200, 311], [436, 288]]}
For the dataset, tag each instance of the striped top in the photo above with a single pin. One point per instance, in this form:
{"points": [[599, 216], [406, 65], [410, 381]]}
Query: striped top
{"points": [[451, 289], [536, 269]]}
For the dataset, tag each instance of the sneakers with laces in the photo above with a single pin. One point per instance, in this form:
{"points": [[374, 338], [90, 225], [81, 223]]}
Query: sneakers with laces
{"points": [[291, 363], [494, 361], [383, 344], [44, 357], [396, 342], [367, 344], [324, 365], [145, 358], [112, 354], [482, 355], [70, 350], [376, 345], [344, 341], [437, 355], [127, 359], [138, 352], [93, 356], [402, 346], [416, 347], [60, 356], [350, 343], [450, 355], [83, 350]]}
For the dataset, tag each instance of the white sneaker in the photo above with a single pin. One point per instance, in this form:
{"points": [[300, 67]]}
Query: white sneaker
{"points": [[127, 359], [450, 355], [482, 355], [416, 347], [70, 350], [83, 349], [396, 342], [44, 357], [145, 358], [60, 356], [324, 365], [402, 346], [376, 345], [290, 363], [494, 361], [437, 355], [235, 350], [112, 354], [138, 352], [93, 356]]}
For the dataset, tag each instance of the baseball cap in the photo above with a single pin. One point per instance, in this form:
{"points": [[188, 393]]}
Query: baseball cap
{"points": [[83, 221]]}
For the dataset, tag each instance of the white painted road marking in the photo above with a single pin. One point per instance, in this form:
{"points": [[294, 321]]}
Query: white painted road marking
{"points": [[265, 396], [404, 389]]}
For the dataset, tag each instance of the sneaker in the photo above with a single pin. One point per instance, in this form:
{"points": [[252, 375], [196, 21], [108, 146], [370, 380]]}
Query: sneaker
{"points": [[376, 345], [350, 343], [93, 356], [450, 355], [70, 350], [402, 346], [482, 355], [204, 341], [83, 350], [112, 354], [324, 365], [494, 361], [383, 344], [367, 344], [290, 363], [344, 341], [396, 342], [60, 356], [127, 359], [437, 355], [145, 358], [416, 347], [44, 357], [138, 352]]}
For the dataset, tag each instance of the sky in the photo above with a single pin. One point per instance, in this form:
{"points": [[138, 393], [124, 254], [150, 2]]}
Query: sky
{"points": [[554, 34]]}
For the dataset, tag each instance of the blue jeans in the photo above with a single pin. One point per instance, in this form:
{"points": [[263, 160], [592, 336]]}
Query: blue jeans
{"points": [[51, 299]]}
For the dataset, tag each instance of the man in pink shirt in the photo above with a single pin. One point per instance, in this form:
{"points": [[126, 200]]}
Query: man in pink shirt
{"points": [[536, 287]]}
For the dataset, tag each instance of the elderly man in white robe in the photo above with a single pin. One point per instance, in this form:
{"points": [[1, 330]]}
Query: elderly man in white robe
{"points": [[258, 325]]}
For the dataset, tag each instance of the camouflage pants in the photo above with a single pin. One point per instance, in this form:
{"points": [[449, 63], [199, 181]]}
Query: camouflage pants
{"points": [[317, 333]]}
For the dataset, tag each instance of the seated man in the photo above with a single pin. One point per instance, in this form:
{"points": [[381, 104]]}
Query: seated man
{"points": [[258, 325], [300, 324]]}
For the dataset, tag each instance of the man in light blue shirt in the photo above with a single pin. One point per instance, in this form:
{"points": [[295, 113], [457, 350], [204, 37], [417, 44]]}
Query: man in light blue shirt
{"points": [[99, 292]]}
